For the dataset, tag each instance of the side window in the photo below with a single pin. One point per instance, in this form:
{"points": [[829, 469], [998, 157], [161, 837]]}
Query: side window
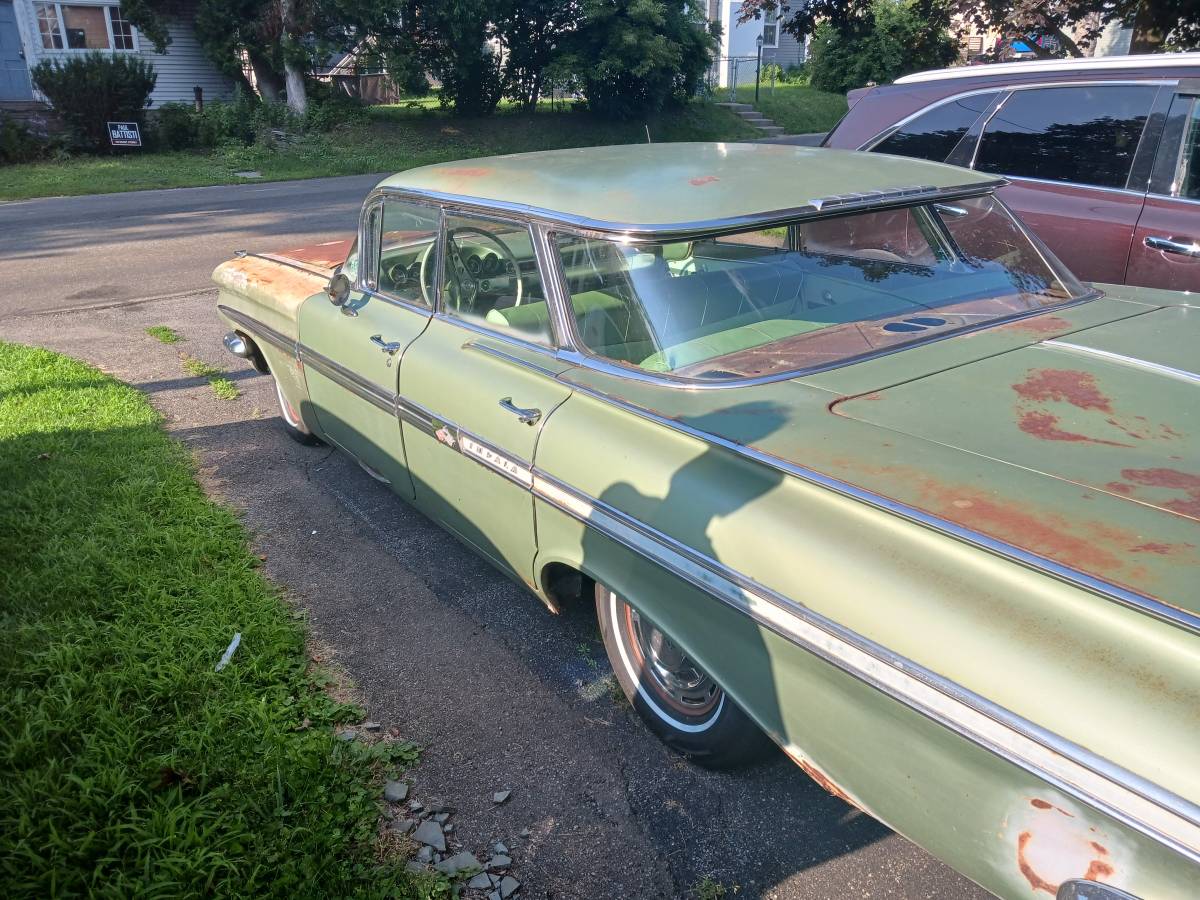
{"points": [[934, 134], [407, 247], [1187, 178], [491, 278], [1084, 135]]}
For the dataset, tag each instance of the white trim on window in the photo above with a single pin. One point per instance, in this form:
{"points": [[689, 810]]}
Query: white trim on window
{"points": [[770, 27], [61, 30]]}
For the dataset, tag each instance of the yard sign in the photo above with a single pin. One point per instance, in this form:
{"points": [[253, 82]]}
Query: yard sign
{"points": [[124, 134]]}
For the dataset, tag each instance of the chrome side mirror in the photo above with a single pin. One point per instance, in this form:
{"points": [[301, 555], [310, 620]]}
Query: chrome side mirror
{"points": [[338, 289]]}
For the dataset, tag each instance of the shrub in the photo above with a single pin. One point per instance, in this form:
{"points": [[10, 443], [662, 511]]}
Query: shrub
{"points": [[637, 56], [892, 40], [176, 126], [94, 89], [18, 144]]}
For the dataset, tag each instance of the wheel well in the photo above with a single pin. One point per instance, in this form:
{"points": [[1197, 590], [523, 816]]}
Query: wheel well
{"points": [[565, 584]]}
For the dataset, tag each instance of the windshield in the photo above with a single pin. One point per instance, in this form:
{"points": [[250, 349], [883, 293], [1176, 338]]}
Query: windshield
{"points": [[809, 294]]}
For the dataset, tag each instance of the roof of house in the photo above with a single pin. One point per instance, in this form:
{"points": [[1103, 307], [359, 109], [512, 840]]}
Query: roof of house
{"points": [[685, 187], [1139, 62]]}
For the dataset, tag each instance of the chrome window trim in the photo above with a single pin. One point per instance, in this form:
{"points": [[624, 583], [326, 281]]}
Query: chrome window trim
{"points": [[509, 357], [870, 144], [680, 231], [370, 285], [1016, 179], [1091, 779]]}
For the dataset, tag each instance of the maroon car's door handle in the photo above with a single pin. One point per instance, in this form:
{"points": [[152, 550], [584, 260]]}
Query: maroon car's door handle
{"points": [[1186, 247]]}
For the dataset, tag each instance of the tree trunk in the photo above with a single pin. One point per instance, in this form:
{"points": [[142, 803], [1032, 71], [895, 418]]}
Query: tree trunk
{"points": [[1146, 38], [297, 98], [266, 79]]}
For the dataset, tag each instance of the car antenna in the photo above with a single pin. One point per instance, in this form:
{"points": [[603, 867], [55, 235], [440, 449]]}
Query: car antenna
{"points": [[648, 141]]}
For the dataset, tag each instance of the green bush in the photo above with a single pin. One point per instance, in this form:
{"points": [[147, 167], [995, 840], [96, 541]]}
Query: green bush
{"points": [[893, 40], [94, 89], [18, 144], [633, 57], [176, 126]]}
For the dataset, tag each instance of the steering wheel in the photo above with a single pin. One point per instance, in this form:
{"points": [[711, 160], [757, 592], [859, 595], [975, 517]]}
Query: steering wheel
{"points": [[468, 285], [424, 274]]}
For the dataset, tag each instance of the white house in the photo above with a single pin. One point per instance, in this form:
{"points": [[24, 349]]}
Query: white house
{"points": [[34, 30], [738, 53]]}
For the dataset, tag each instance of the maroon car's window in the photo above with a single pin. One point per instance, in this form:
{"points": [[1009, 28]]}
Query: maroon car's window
{"points": [[934, 134], [807, 295], [1189, 160], [1084, 135]]}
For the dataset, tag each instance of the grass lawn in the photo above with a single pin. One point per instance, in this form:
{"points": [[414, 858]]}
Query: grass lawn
{"points": [[395, 138], [129, 766], [798, 108]]}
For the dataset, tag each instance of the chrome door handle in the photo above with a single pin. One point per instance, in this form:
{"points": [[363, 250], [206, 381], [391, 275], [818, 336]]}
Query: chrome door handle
{"points": [[1170, 245], [388, 347], [524, 416]]}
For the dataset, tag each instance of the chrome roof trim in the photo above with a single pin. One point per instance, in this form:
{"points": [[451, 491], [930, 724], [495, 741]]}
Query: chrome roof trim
{"points": [[1164, 612], [1113, 63], [1138, 803], [1121, 359], [676, 231]]}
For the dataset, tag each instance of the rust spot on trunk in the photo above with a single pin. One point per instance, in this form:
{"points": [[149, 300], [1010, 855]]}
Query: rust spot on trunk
{"points": [[1171, 480], [1044, 426], [1098, 870], [1041, 325], [1063, 385], [702, 180], [1035, 880], [1153, 547]]}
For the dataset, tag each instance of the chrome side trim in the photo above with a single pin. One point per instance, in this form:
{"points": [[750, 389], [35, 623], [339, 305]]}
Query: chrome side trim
{"points": [[1164, 612], [1123, 360], [261, 330], [351, 381], [509, 357], [1143, 806]]}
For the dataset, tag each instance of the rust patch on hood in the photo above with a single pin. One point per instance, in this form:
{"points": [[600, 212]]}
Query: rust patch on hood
{"points": [[1044, 426], [1040, 325], [1075, 387], [327, 255], [701, 180]]}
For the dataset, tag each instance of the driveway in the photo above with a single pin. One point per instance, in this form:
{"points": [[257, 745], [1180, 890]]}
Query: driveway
{"points": [[501, 694]]}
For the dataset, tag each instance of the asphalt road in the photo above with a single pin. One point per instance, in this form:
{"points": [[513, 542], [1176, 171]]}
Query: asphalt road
{"points": [[500, 693]]}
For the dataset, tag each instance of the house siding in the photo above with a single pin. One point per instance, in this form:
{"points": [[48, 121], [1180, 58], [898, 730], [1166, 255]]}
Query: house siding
{"points": [[179, 70], [790, 51]]}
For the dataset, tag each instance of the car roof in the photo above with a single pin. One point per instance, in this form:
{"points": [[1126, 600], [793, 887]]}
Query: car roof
{"points": [[685, 187], [1148, 63]]}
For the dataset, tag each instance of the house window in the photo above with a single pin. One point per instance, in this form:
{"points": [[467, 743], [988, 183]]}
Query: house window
{"points": [[771, 28], [72, 26]]}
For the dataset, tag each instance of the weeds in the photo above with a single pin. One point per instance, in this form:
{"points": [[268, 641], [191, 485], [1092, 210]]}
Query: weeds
{"points": [[164, 334]]}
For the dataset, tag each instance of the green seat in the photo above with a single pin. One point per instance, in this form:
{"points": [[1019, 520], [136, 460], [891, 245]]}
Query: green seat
{"points": [[604, 321]]}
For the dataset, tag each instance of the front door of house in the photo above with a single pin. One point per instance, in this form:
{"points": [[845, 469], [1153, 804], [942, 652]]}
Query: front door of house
{"points": [[14, 72]]}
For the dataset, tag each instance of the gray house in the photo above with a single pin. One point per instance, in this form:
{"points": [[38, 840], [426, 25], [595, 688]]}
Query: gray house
{"points": [[738, 53], [34, 30]]}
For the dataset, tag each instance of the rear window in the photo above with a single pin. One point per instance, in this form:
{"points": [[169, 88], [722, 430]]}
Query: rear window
{"points": [[936, 132], [806, 295], [1083, 135]]}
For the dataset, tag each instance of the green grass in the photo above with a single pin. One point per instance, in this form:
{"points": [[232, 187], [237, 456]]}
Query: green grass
{"points": [[798, 108], [199, 368], [224, 388], [165, 334], [394, 138], [128, 766]]}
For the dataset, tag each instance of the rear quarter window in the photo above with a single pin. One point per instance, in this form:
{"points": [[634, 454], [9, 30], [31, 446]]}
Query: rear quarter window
{"points": [[934, 133], [1083, 135]]}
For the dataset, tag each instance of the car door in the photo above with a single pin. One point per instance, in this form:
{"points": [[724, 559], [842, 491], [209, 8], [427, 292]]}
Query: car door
{"points": [[1166, 245], [477, 387], [1069, 152], [352, 353]]}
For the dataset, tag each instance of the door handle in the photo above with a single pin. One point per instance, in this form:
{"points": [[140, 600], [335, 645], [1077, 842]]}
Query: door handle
{"points": [[388, 347], [1170, 245], [524, 416]]}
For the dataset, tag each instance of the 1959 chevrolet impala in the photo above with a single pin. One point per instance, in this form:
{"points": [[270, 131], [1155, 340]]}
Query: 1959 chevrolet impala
{"points": [[848, 459]]}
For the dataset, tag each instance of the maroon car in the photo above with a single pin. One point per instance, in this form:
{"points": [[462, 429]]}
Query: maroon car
{"points": [[1103, 153]]}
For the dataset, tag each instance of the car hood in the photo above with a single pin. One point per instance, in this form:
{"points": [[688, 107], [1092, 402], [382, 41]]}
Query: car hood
{"points": [[1083, 447], [326, 256]]}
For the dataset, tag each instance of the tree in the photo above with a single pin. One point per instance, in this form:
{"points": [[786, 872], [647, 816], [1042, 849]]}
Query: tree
{"points": [[533, 34], [892, 38], [637, 56], [1075, 23]]}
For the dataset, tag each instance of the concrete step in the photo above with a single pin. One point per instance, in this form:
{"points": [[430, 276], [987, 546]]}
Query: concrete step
{"points": [[771, 129], [736, 106]]}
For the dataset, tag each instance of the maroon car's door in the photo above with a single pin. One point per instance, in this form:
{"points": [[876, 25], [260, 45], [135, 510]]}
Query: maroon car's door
{"points": [[1089, 229], [1166, 246], [1069, 151]]}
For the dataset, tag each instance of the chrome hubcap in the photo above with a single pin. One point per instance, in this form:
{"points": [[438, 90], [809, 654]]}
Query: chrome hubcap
{"points": [[678, 680]]}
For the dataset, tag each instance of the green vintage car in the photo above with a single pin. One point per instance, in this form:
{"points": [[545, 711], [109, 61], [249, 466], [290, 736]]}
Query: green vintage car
{"points": [[848, 461]]}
